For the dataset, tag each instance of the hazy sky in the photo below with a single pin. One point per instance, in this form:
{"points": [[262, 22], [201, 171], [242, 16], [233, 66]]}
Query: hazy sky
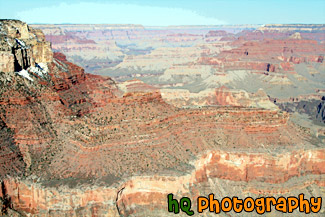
{"points": [[165, 12]]}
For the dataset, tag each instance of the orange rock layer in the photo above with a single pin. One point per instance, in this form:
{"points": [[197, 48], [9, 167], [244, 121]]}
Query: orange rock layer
{"points": [[151, 191]]}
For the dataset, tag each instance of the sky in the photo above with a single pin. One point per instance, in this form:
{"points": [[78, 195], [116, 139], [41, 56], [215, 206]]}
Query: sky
{"points": [[164, 12]]}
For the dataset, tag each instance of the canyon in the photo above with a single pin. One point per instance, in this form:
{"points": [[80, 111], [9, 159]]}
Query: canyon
{"points": [[229, 110]]}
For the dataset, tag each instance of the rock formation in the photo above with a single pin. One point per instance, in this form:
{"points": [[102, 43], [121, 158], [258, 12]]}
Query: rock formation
{"points": [[22, 46], [78, 144]]}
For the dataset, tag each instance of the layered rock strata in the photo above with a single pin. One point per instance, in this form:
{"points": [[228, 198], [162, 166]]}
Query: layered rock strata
{"points": [[77, 144]]}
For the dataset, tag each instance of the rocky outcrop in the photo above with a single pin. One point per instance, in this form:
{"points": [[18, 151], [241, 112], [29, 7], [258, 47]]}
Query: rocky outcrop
{"points": [[314, 107], [217, 97], [283, 31], [65, 74], [201, 182], [136, 86], [286, 50], [30, 198], [22, 46], [137, 195], [219, 35]]}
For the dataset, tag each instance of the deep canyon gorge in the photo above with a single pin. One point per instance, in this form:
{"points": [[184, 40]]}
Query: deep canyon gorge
{"points": [[107, 120]]}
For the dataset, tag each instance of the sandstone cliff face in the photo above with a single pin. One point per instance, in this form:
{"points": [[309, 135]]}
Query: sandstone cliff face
{"points": [[215, 172], [243, 173], [22, 46], [30, 198]]}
